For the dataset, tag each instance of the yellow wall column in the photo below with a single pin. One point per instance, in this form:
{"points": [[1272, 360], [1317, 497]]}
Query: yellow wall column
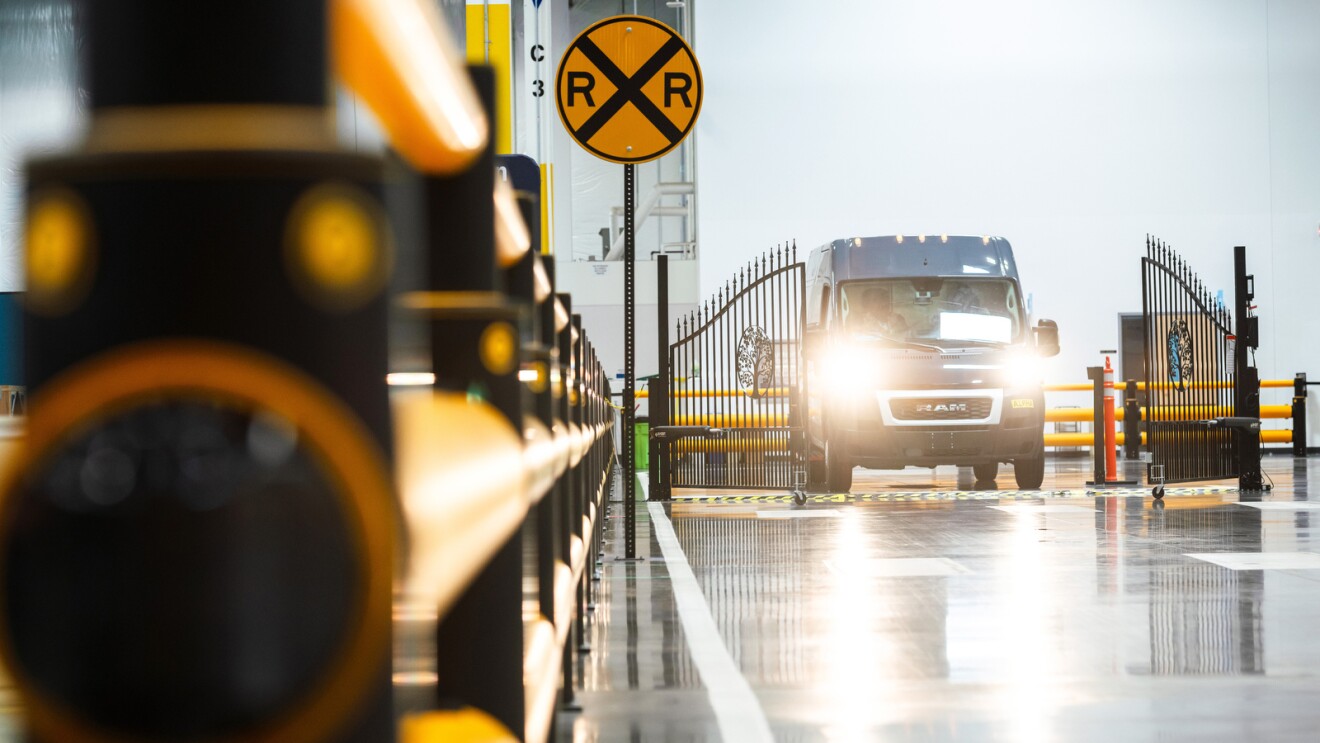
{"points": [[490, 41]]}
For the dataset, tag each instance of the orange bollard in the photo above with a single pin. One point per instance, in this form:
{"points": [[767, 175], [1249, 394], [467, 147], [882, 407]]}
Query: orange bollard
{"points": [[1111, 434]]}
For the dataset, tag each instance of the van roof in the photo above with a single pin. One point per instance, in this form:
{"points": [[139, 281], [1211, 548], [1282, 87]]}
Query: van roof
{"points": [[922, 255]]}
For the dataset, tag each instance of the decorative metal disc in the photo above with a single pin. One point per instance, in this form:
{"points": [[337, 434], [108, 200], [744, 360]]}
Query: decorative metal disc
{"points": [[1180, 355], [756, 362]]}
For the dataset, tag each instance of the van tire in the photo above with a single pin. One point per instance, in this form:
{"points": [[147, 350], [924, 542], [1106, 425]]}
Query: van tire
{"points": [[986, 472], [1030, 473], [838, 470]]}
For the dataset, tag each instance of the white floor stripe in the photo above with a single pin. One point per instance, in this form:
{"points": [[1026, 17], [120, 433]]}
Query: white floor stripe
{"points": [[1290, 505], [737, 710], [1261, 560]]}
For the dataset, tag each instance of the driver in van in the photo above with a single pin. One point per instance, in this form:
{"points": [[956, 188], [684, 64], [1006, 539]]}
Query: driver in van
{"points": [[964, 298], [878, 315]]}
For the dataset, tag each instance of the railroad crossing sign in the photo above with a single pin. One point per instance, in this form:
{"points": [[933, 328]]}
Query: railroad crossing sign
{"points": [[629, 89]]}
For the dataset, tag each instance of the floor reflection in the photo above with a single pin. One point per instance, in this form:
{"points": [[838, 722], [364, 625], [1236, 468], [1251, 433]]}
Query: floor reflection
{"points": [[1205, 619], [1049, 618]]}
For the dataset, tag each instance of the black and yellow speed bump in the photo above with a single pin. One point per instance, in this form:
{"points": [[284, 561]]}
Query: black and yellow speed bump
{"points": [[953, 495]]}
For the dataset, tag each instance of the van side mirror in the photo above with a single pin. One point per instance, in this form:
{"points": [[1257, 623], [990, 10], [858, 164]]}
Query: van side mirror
{"points": [[1047, 338]]}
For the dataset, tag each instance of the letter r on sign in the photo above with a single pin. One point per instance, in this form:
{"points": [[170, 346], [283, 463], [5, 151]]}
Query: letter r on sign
{"points": [[581, 82], [678, 84]]}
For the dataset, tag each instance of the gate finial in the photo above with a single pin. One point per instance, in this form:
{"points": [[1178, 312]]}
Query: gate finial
{"points": [[795, 251]]}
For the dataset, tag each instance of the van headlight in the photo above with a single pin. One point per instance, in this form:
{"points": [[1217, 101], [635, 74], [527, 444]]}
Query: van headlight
{"points": [[848, 373], [1024, 370]]}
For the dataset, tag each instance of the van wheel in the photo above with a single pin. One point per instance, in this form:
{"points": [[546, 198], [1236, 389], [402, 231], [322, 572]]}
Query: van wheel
{"points": [[1030, 473], [986, 472], [838, 470]]}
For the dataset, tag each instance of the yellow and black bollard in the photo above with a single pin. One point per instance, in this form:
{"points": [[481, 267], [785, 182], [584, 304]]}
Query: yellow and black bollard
{"points": [[199, 539]]}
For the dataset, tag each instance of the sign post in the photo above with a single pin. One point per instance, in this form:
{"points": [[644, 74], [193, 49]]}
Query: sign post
{"points": [[629, 90]]}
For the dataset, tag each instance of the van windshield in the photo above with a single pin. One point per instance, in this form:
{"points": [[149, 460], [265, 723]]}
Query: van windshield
{"points": [[932, 309]]}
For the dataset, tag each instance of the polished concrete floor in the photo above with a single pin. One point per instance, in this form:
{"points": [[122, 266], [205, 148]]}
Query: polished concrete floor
{"points": [[927, 608]]}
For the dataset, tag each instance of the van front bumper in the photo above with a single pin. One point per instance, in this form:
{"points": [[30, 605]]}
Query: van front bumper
{"points": [[873, 443]]}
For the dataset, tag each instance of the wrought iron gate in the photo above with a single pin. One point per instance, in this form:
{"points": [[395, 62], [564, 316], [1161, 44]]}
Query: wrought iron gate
{"points": [[1190, 371], [737, 366]]}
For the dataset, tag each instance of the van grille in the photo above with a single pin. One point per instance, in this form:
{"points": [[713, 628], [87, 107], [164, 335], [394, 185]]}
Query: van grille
{"points": [[940, 408]]}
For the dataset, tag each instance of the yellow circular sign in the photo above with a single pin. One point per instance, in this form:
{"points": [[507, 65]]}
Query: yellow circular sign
{"points": [[337, 250], [58, 251], [628, 89]]}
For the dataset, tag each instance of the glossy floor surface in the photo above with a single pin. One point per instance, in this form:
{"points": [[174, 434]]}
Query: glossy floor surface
{"points": [[930, 609]]}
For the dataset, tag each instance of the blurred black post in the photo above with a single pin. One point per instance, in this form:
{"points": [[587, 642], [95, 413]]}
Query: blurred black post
{"points": [[1299, 415], [479, 642], [1097, 376], [1247, 388], [1131, 422], [658, 402], [569, 497], [217, 591]]}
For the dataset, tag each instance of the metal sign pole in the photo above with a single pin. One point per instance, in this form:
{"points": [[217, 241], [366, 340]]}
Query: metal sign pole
{"points": [[629, 353], [600, 54]]}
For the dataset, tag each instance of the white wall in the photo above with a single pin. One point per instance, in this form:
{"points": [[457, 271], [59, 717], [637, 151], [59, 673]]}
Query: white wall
{"points": [[597, 289], [1073, 129]]}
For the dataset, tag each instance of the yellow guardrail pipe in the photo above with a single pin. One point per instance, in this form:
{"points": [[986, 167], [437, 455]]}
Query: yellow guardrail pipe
{"points": [[512, 238], [466, 725], [1270, 436], [542, 664], [1087, 386], [462, 486], [1068, 387], [1166, 413], [398, 57], [720, 446], [678, 393], [732, 420]]}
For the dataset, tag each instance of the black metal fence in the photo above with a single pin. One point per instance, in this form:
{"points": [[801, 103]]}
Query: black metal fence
{"points": [[1190, 371], [737, 366]]}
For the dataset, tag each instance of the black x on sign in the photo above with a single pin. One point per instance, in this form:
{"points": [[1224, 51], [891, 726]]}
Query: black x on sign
{"points": [[629, 89]]}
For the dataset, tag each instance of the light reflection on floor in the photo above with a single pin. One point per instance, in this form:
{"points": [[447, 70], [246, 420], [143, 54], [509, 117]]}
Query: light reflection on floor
{"points": [[1073, 618]]}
